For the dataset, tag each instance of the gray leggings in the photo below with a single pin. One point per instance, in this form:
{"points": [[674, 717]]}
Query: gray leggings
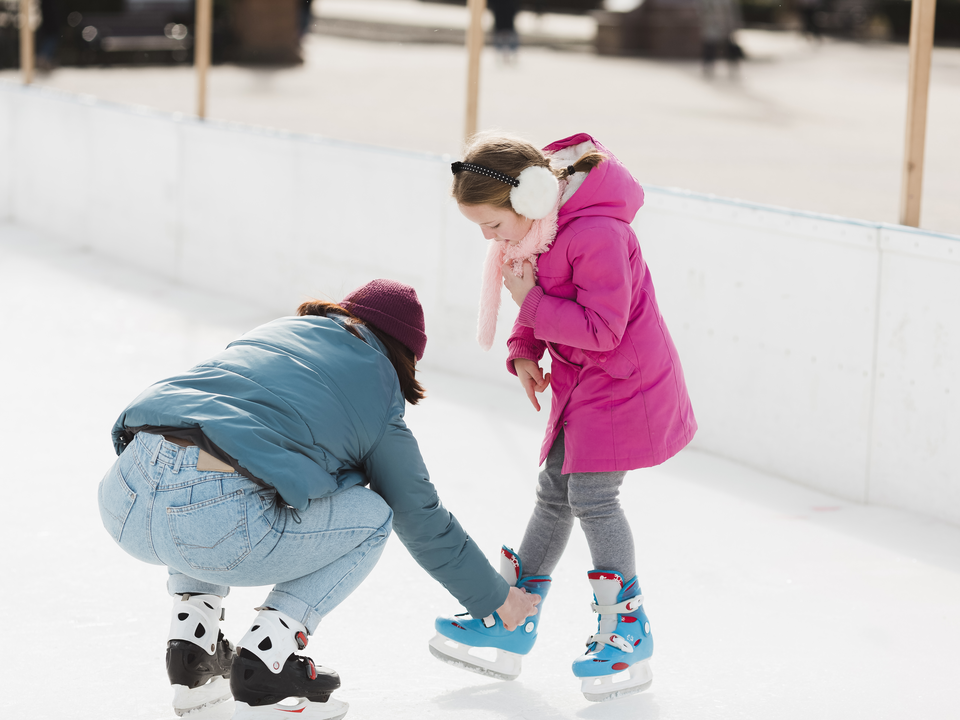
{"points": [[591, 497]]}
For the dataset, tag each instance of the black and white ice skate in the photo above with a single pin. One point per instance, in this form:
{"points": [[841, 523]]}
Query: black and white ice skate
{"points": [[300, 687], [199, 658], [199, 680], [269, 680]]}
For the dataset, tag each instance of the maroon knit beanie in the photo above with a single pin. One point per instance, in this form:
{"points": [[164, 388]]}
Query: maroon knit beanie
{"points": [[392, 307]]}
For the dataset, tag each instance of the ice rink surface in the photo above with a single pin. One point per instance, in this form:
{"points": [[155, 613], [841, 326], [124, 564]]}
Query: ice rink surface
{"points": [[767, 600]]}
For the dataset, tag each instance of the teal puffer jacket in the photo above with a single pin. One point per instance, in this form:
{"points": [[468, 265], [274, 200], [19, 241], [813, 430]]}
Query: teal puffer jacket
{"points": [[310, 409]]}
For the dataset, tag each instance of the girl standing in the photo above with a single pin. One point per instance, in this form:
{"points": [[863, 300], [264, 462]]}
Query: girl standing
{"points": [[559, 222]]}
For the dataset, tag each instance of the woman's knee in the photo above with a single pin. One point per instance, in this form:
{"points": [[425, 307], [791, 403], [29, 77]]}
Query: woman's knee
{"points": [[387, 525], [369, 510]]}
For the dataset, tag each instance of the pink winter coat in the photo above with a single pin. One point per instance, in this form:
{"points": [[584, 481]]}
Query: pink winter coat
{"points": [[618, 388]]}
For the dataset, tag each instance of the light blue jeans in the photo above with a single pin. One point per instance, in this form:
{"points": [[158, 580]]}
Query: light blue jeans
{"points": [[213, 530]]}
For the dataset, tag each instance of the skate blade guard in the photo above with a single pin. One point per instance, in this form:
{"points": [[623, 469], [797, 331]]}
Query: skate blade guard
{"points": [[189, 700], [500, 664], [299, 707], [635, 679]]}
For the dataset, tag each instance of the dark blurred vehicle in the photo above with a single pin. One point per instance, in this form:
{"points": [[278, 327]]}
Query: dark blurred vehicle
{"points": [[101, 32], [574, 7], [946, 30], [847, 18], [9, 34], [856, 18], [107, 32]]}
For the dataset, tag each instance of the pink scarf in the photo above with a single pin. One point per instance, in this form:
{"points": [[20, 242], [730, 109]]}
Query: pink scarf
{"points": [[536, 241]]}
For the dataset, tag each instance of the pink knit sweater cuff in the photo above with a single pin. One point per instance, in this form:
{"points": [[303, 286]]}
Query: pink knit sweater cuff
{"points": [[518, 348], [528, 311]]}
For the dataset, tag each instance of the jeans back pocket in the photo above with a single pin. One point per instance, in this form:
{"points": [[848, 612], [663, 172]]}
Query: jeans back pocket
{"points": [[116, 500], [211, 535]]}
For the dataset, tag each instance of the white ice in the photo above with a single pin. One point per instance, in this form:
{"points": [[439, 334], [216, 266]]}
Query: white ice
{"points": [[767, 600]]}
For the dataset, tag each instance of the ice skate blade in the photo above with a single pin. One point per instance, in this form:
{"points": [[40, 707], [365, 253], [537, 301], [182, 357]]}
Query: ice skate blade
{"points": [[187, 701], [608, 687], [504, 666], [302, 709]]}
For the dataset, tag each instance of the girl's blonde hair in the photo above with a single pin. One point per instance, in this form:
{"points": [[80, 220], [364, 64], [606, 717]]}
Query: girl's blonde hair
{"points": [[510, 156]]}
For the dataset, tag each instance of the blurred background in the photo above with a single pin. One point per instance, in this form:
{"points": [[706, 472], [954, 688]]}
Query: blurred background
{"points": [[794, 103]]}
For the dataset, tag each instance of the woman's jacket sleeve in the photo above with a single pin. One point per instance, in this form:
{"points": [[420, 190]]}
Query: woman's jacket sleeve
{"points": [[431, 534]]}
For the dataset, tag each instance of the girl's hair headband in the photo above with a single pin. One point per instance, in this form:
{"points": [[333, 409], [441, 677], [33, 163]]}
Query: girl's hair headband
{"points": [[481, 170], [535, 198]]}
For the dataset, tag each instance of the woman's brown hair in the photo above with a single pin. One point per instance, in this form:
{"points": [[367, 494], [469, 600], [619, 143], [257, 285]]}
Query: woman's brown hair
{"points": [[401, 357], [510, 156]]}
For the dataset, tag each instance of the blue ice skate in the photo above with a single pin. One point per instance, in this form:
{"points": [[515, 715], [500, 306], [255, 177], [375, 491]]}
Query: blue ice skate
{"points": [[617, 659], [485, 646]]}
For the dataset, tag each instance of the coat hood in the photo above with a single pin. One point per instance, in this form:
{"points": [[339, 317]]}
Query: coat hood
{"points": [[609, 190]]}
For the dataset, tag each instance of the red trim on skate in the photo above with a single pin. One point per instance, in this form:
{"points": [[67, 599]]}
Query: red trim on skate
{"points": [[457, 625], [627, 618], [538, 580], [311, 670], [511, 556], [601, 575], [631, 585], [620, 666]]}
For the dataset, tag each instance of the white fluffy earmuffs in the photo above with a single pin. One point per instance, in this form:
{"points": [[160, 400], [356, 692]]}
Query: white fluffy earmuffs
{"points": [[536, 194], [534, 190]]}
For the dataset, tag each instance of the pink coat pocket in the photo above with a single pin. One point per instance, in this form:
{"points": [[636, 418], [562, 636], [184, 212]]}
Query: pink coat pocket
{"points": [[613, 362]]}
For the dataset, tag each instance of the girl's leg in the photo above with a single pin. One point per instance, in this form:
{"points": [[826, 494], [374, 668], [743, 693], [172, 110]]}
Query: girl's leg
{"points": [[594, 500], [616, 661], [550, 525]]}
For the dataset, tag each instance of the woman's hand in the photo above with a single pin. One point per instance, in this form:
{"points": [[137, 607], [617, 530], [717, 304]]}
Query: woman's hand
{"points": [[532, 378], [518, 286], [518, 606]]}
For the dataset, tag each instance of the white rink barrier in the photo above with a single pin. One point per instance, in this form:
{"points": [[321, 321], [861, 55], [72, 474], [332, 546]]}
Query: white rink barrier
{"points": [[817, 348]]}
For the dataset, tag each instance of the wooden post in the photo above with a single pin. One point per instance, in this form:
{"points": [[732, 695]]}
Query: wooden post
{"points": [[27, 55], [922, 17], [201, 52], [474, 48]]}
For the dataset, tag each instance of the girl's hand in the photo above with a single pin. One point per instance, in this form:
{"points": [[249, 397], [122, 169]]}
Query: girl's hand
{"points": [[532, 379], [518, 286], [518, 606]]}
